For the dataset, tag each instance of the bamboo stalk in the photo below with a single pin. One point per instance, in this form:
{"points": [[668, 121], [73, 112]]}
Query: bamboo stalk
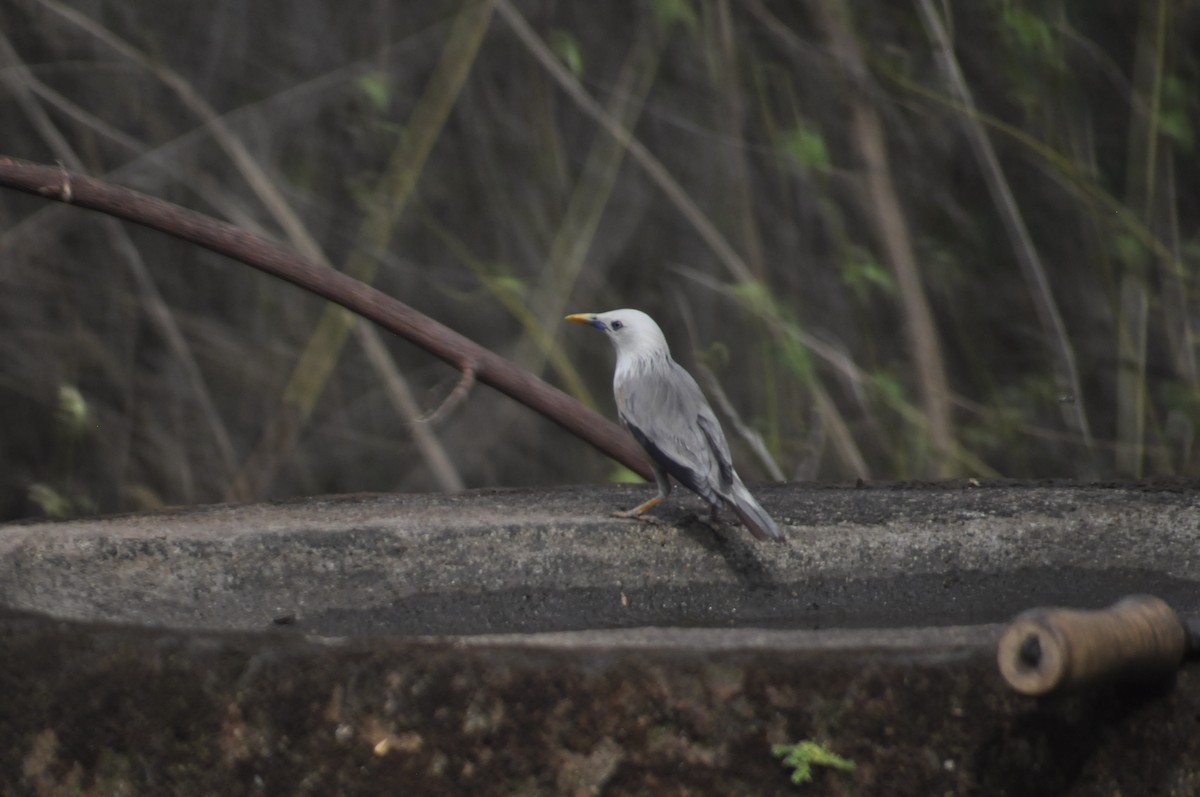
{"points": [[589, 197], [321, 354], [1133, 301], [884, 209], [1066, 370], [731, 122]]}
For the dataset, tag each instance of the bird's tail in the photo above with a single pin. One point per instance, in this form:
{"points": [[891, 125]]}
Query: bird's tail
{"points": [[753, 516]]}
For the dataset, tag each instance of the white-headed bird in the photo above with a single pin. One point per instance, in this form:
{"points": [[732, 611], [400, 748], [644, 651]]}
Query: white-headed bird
{"points": [[662, 407]]}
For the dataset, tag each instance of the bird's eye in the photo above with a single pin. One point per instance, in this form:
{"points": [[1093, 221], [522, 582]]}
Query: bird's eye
{"points": [[616, 325]]}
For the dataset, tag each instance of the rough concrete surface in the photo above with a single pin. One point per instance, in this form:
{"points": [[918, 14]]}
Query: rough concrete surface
{"points": [[522, 642]]}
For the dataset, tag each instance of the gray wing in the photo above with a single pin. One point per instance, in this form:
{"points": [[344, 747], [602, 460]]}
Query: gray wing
{"points": [[667, 414]]}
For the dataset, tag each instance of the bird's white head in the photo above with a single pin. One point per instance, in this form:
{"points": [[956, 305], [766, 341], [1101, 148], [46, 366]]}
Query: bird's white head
{"points": [[634, 334]]}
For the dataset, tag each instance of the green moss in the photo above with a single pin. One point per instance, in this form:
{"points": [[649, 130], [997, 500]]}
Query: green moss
{"points": [[802, 756]]}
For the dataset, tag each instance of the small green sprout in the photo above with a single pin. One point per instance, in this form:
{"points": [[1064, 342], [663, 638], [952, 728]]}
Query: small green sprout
{"points": [[73, 413], [802, 756], [50, 501]]}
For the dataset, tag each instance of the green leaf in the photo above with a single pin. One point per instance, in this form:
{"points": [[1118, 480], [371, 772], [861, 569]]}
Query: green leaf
{"points": [[890, 388], [1175, 125], [1029, 31], [806, 147], [374, 87], [756, 297], [671, 12], [51, 501], [566, 47], [716, 356], [1130, 250], [507, 284], [73, 413], [862, 273], [796, 357]]}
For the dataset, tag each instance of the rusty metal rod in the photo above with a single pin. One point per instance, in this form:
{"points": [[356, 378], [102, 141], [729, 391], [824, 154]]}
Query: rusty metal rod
{"points": [[57, 183]]}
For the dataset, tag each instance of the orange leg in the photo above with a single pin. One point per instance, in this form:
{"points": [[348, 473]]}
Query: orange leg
{"points": [[664, 489], [637, 511]]}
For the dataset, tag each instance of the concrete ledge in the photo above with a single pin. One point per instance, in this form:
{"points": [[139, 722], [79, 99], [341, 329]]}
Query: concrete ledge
{"points": [[536, 561], [522, 642]]}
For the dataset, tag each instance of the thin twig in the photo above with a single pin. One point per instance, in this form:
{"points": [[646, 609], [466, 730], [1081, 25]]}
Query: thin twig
{"points": [[398, 392], [452, 401]]}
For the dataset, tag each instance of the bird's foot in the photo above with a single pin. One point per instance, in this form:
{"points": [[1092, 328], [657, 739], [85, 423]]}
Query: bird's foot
{"points": [[633, 514], [637, 511]]}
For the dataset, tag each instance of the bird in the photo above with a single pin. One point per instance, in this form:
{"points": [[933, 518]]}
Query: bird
{"points": [[662, 407]]}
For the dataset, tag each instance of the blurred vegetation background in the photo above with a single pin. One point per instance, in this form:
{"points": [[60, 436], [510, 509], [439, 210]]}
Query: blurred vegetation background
{"points": [[893, 240]]}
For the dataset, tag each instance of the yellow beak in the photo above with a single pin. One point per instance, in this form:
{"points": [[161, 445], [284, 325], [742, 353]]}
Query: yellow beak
{"points": [[582, 318]]}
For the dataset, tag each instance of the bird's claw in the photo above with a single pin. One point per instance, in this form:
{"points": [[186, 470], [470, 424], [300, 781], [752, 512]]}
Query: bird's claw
{"points": [[628, 515]]}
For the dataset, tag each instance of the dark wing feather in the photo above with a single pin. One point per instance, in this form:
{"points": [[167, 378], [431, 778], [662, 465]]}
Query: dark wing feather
{"points": [[711, 429]]}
